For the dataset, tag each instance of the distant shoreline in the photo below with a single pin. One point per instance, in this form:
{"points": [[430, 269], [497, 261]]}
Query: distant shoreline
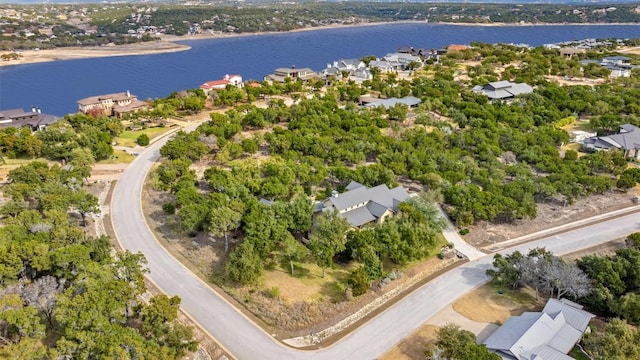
{"points": [[170, 43]]}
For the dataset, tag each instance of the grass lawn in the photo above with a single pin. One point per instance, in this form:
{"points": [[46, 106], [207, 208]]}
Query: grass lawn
{"points": [[489, 304], [118, 157], [307, 282], [128, 138]]}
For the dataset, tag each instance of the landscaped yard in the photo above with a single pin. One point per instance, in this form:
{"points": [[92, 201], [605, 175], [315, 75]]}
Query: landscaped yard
{"points": [[488, 304], [119, 156], [128, 138]]}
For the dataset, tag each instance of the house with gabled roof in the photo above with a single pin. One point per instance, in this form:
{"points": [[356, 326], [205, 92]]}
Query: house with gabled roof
{"points": [[502, 90], [112, 104], [360, 205], [627, 140], [281, 74], [18, 118], [235, 80], [410, 101], [549, 334]]}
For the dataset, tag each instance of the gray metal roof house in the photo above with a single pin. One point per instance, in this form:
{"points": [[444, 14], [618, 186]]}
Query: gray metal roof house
{"points": [[410, 101], [18, 118], [627, 140], [360, 205], [500, 90], [547, 335]]}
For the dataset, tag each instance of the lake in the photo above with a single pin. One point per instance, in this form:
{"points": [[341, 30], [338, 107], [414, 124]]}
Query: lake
{"points": [[56, 86]]}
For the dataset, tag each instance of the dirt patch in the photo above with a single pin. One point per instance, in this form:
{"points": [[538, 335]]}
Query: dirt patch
{"points": [[484, 234], [605, 249], [487, 304], [414, 346]]}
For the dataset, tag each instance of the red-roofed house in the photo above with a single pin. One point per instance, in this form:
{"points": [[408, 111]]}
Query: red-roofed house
{"points": [[235, 80]]}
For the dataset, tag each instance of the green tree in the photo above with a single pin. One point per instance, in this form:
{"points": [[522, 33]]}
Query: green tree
{"points": [[457, 344], [327, 238], [618, 341], [143, 140], [221, 221], [293, 251], [244, 264]]}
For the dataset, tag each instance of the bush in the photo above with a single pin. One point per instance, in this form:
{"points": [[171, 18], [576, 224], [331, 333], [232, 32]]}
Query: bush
{"points": [[358, 281], [274, 292], [464, 231], [169, 208], [143, 140]]}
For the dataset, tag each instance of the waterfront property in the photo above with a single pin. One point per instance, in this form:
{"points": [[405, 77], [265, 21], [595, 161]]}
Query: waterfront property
{"points": [[18, 118], [620, 66], [503, 90], [116, 104], [360, 205], [549, 334], [354, 69], [627, 140], [281, 74], [234, 80]]}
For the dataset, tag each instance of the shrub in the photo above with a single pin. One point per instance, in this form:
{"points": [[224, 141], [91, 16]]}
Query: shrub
{"points": [[464, 231], [143, 140], [358, 281], [274, 292], [169, 208]]}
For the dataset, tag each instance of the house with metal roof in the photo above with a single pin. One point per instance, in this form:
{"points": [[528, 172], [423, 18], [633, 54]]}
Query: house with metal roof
{"points": [[410, 101], [627, 140], [18, 118], [548, 335], [360, 205], [502, 90], [281, 74]]}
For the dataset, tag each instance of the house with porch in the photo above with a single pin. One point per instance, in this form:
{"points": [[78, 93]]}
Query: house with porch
{"points": [[361, 205]]}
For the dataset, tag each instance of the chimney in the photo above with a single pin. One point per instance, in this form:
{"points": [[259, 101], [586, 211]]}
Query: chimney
{"points": [[39, 111], [128, 93], [226, 77], [33, 109], [293, 66]]}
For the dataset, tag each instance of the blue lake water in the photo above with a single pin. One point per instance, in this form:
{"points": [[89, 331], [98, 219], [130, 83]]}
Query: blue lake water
{"points": [[56, 86]]}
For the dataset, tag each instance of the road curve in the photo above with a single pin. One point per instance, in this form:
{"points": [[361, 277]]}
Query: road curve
{"points": [[245, 340]]}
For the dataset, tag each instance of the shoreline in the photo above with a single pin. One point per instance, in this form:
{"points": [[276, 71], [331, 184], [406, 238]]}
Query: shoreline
{"points": [[171, 43]]}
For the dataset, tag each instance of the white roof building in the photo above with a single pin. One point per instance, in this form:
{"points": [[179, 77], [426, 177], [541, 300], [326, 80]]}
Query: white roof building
{"points": [[547, 335]]}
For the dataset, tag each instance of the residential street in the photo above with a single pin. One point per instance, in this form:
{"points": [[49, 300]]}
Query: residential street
{"points": [[247, 341]]}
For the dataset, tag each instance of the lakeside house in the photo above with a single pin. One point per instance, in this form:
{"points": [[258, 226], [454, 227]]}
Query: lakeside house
{"points": [[360, 205], [620, 66], [281, 74], [354, 69], [116, 104], [18, 118], [549, 334], [234, 80], [503, 90], [627, 140]]}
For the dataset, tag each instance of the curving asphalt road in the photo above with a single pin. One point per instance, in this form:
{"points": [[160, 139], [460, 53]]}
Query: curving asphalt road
{"points": [[245, 340]]}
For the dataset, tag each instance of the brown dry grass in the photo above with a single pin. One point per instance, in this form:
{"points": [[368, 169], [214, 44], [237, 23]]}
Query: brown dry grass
{"points": [[486, 305], [413, 347]]}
